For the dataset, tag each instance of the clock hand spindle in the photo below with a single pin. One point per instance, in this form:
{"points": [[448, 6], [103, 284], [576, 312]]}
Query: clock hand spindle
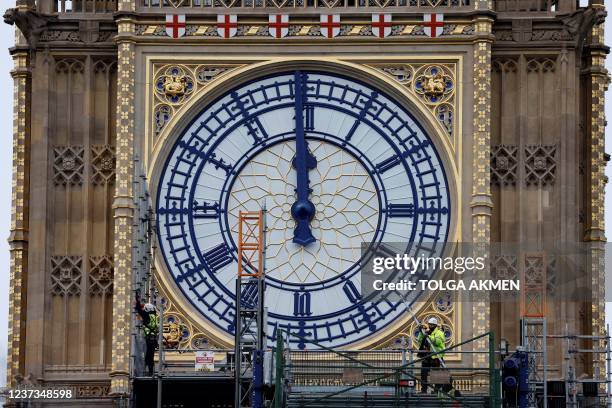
{"points": [[302, 210]]}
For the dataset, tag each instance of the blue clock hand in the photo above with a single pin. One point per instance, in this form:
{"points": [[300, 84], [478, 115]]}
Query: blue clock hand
{"points": [[302, 210]]}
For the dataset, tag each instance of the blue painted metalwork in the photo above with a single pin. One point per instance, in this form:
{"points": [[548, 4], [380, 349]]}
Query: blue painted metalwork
{"points": [[302, 210]]}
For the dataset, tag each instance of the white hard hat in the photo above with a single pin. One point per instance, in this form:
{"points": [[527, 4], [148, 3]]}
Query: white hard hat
{"points": [[432, 320], [149, 307]]}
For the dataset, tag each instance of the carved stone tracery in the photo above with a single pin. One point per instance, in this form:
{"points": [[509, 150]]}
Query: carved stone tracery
{"points": [[102, 164], [432, 84], [101, 275], [504, 165], [66, 273], [175, 84], [68, 164], [540, 164]]}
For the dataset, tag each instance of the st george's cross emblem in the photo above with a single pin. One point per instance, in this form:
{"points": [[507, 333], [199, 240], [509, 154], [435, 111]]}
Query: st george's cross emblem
{"points": [[278, 25], [227, 25], [330, 25], [381, 25], [433, 24], [175, 25]]}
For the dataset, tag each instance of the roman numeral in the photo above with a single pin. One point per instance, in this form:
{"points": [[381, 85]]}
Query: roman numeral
{"points": [[397, 158], [309, 117], [400, 210], [351, 291], [220, 164], [301, 304], [366, 108], [206, 210], [218, 257]]}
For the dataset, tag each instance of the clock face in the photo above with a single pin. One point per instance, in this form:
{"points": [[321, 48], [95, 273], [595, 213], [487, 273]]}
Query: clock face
{"points": [[338, 165]]}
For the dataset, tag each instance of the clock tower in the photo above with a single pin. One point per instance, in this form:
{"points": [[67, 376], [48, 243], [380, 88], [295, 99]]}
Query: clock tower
{"points": [[143, 128]]}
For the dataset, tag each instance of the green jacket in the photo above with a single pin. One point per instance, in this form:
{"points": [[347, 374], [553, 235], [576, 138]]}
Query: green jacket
{"points": [[150, 328], [437, 339]]}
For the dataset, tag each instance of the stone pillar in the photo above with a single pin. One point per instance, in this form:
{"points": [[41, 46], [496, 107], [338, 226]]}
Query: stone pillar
{"points": [[481, 202], [595, 232], [123, 208], [18, 239]]}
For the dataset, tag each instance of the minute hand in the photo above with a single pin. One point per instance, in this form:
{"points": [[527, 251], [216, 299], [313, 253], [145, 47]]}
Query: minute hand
{"points": [[302, 209]]}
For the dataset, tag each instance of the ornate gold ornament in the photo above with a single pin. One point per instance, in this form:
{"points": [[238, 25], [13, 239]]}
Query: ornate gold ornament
{"points": [[172, 334], [433, 84], [175, 85]]}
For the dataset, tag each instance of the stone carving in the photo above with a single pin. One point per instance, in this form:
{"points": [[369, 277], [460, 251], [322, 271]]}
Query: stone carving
{"points": [[540, 164], [504, 165], [60, 35], [68, 165], [205, 74], [92, 390], [504, 267], [66, 272], [101, 275], [69, 65], [102, 164], [30, 22]]}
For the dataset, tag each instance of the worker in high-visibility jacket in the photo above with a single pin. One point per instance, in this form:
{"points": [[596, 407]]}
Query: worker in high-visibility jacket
{"points": [[150, 327], [436, 338]]}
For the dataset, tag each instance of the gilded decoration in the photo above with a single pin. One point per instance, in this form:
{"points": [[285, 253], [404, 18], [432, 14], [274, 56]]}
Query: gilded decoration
{"points": [[18, 239], [176, 84], [178, 330], [481, 169], [415, 31], [433, 84]]}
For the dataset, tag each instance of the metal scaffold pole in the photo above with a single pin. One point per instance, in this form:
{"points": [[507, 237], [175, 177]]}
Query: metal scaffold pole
{"points": [[250, 316]]}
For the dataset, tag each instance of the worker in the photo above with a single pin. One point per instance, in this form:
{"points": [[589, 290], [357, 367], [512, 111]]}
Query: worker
{"points": [[150, 325], [436, 338]]}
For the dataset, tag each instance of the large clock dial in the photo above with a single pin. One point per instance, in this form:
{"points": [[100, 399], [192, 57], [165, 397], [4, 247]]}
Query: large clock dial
{"points": [[337, 164]]}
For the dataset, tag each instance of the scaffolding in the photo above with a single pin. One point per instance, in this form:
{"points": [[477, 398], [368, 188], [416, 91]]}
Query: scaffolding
{"points": [[250, 315]]}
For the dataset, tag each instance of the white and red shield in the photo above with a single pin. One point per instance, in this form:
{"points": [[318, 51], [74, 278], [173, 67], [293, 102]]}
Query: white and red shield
{"points": [[330, 25], [175, 25], [278, 25], [433, 24], [381, 25], [227, 25]]}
